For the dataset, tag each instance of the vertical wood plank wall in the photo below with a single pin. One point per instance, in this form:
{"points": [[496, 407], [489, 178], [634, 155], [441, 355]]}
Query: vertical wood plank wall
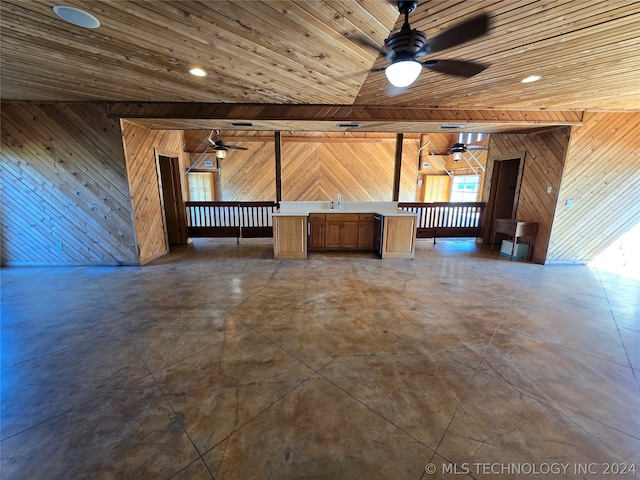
{"points": [[64, 180], [140, 145], [544, 159], [602, 177]]}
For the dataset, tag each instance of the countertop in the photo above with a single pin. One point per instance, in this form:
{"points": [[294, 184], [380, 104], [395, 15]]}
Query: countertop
{"points": [[294, 209]]}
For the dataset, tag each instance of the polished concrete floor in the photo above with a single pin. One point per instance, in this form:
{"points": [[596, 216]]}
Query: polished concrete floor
{"points": [[219, 362]]}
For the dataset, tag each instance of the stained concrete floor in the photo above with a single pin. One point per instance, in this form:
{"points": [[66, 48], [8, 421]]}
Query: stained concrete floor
{"points": [[217, 361]]}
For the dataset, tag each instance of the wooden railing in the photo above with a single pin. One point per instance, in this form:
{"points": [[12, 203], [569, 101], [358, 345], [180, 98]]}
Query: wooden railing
{"points": [[230, 219], [447, 219]]}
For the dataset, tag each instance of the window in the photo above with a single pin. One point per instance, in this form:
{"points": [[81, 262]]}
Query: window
{"points": [[465, 188]]}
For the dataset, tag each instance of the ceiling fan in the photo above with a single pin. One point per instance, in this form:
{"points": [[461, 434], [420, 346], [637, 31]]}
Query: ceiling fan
{"points": [[220, 147], [461, 146], [404, 48]]}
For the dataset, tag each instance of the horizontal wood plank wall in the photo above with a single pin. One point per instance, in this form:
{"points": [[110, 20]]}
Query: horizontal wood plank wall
{"points": [[602, 177], [140, 145], [544, 159], [359, 170], [64, 181]]}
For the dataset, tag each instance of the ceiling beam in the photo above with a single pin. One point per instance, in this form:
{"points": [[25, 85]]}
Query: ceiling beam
{"points": [[336, 113]]}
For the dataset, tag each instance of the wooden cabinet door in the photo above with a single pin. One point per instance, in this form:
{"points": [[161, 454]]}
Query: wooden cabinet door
{"points": [[349, 235], [290, 237], [332, 237], [316, 234], [366, 235]]}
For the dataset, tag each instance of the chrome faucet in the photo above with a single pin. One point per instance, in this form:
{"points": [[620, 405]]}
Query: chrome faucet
{"points": [[339, 206]]}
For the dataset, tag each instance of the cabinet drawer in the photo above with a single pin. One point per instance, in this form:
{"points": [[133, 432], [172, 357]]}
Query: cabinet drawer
{"points": [[366, 217], [342, 217], [316, 217]]}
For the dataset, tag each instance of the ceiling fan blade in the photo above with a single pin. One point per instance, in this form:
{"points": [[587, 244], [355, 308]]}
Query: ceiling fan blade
{"points": [[370, 44], [460, 33], [236, 147], [475, 147], [459, 68]]}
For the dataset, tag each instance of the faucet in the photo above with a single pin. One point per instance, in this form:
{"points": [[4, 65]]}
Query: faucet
{"points": [[339, 206]]}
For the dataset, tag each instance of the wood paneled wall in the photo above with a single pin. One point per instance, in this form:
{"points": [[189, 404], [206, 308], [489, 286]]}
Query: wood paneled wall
{"points": [[64, 181], [359, 169], [544, 159], [316, 166], [602, 177], [140, 146]]}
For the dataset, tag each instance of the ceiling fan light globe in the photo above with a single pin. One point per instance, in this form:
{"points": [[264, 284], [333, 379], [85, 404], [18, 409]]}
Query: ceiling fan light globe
{"points": [[403, 73], [220, 154], [457, 156]]}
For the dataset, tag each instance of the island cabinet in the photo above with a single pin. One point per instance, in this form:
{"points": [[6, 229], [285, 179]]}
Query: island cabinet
{"points": [[290, 237], [341, 231], [399, 237]]}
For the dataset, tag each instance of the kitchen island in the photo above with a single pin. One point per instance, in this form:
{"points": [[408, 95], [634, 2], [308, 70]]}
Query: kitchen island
{"points": [[380, 227]]}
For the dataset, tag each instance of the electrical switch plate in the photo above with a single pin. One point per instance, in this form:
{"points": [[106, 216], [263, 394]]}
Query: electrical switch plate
{"points": [[549, 189], [208, 163], [59, 245], [569, 203], [426, 165]]}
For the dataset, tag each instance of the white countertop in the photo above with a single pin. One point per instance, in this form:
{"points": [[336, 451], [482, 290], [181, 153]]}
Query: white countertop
{"points": [[292, 209]]}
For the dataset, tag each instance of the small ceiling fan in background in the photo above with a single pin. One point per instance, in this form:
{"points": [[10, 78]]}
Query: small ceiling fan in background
{"points": [[463, 145], [220, 147], [405, 47]]}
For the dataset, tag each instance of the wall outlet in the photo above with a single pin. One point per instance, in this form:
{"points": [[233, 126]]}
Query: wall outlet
{"points": [[208, 163], [59, 246], [549, 189], [569, 203]]}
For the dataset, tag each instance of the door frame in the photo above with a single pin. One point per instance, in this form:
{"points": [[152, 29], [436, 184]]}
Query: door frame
{"points": [[181, 219], [488, 226]]}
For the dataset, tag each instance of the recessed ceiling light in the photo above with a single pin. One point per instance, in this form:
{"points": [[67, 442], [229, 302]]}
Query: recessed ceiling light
{"points": [[76, 16], [531, 78], [198, 72]]}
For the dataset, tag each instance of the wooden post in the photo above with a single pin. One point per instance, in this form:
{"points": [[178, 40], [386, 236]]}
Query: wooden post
{"points": [[278, 142], [398, 167]]}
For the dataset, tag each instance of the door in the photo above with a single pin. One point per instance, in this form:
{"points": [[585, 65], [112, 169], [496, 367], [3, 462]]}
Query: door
{"points": [[436, 188], [503, 199], [201, 187], [172, 202]]}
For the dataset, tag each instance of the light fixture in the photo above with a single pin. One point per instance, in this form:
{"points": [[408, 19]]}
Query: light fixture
{"points": [[403, 73], [220, 154], [198, 72], [531, 78], [76, 16], [457, 156]]}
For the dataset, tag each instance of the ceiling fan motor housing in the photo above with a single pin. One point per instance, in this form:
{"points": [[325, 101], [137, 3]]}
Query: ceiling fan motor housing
{"points": [[405, 45]]}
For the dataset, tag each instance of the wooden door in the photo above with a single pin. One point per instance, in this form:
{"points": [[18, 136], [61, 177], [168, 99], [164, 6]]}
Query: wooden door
{"points": [[505, 188], [201, 186], [171, 199], [436, 188]]}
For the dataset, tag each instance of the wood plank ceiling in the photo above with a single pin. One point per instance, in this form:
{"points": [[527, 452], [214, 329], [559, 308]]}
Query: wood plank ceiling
{"points": [[302, 54]]}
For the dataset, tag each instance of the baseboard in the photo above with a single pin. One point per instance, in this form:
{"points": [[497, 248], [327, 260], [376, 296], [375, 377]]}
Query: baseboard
{"points": [[69, 264]]}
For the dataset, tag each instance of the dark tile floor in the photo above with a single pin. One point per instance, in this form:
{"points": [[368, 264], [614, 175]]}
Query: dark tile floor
{"points": [[219, 362]]}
